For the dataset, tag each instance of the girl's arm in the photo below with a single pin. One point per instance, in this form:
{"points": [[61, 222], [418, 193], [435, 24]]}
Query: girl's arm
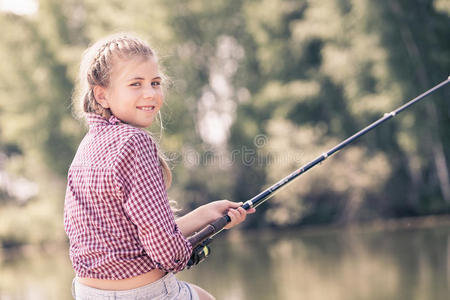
{"points": [[205, 214]]}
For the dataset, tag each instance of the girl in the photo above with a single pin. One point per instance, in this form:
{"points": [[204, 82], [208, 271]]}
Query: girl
{"points": [[124, 240]]}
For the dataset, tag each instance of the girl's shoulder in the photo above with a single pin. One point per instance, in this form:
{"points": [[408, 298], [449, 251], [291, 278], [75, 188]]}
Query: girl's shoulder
{"points": [[105, 146], [134, 137], [134, 149]]}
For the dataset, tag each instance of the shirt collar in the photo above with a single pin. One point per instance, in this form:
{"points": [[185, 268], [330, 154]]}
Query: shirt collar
{"points": [[96, 120]]}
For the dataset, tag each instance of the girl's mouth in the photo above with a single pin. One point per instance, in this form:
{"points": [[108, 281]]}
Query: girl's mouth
{"points": [[146, 108]]}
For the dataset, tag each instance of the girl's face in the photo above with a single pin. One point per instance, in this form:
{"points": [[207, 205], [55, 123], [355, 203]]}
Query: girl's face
{"points": [[134, 94]]}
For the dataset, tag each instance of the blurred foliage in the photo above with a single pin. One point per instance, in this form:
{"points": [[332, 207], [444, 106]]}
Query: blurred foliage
{"points": [[257, 88]]}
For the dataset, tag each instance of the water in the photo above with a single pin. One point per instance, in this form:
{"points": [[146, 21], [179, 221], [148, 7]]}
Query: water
{"points": [[333, 265]]}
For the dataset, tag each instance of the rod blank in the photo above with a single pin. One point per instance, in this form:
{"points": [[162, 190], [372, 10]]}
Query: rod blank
{"points": [[217, 226]]}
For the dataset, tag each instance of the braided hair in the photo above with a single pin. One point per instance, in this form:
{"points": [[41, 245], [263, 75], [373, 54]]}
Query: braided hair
{"points": [[95, 70]]}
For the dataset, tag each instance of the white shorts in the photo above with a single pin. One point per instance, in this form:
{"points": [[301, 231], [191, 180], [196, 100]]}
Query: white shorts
{"points": [[168, 287]]}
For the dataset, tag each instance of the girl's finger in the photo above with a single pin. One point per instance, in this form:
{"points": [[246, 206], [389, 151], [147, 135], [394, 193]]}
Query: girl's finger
{"points": [[251, 210], [235, 204], [237, 215], [234, 215], [242, 214]]}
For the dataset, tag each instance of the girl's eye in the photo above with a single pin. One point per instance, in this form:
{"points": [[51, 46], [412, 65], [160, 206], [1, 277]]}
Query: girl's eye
{"points": [[156, 83], [135, 84]]}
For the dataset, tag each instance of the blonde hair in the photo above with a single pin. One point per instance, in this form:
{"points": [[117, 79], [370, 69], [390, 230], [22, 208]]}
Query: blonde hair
{"points": [[95, 69]]}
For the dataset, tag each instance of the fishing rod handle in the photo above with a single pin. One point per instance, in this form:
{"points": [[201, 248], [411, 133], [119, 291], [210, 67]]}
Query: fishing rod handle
{"points": [[210, 229]]}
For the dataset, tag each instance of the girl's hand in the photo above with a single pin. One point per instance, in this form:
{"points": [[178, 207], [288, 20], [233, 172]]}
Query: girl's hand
{"points": [[197, 219], [217, 209]]}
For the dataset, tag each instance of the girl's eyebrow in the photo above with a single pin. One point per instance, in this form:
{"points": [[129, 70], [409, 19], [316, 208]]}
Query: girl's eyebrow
{"points": [[136, 78], [142, 78]]}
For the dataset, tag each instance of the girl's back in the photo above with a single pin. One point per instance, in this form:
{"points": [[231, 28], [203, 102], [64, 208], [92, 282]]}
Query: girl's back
{"points": [[115, 196]]}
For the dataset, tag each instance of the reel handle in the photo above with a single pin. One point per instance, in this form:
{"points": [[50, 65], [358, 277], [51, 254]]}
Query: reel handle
{"points": [[210, 229]]}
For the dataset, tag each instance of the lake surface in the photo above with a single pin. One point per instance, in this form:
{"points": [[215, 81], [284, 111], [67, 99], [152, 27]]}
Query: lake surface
{"points": [[398, 264]]}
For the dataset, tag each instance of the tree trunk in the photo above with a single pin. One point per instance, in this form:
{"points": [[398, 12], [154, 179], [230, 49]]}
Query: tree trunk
{"points": [[437, 148]]}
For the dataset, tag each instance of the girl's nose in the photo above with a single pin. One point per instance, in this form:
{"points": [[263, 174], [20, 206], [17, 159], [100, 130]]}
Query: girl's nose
{"points": [[149, 92]]}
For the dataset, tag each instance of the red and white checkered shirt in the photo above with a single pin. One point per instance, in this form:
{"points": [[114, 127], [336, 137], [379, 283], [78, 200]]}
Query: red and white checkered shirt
{"points": [[116, 213]]}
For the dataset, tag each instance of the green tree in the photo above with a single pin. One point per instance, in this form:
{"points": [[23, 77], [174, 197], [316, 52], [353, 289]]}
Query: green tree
{"points": [[327, 69], [256, 89], [414, 35]]}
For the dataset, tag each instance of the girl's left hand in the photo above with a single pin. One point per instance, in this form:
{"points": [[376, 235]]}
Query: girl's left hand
{"points": [[217, 209]]}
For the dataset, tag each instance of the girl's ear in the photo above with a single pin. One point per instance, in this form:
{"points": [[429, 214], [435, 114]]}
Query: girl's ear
{"points": [[100, 96]]}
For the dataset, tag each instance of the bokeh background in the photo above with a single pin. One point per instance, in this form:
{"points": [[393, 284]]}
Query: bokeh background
{"points": [[257, 88]]}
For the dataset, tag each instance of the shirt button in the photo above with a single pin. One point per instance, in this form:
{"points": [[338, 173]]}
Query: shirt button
{"points": [[176, 261]]}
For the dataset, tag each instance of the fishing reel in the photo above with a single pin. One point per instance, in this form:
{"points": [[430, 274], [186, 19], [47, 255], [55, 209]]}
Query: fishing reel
{"points": [[199, 253]]}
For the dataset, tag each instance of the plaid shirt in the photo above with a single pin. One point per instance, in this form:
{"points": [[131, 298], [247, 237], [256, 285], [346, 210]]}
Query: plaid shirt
{"points": [[116, 213]]}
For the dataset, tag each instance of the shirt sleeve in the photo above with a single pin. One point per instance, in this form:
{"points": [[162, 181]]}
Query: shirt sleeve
{"points": [[139, 175]]}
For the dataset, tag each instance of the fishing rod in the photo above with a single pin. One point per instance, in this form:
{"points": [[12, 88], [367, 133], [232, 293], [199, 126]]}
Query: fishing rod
{"points": [[203, 238]]}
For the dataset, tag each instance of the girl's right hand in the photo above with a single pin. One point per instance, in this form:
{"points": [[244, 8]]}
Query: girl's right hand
{"points": [[197, 219], [217, 209]]}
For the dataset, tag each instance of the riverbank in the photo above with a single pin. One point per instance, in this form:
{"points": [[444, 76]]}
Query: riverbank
{"points": [[385, 225], [30, 250]]}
